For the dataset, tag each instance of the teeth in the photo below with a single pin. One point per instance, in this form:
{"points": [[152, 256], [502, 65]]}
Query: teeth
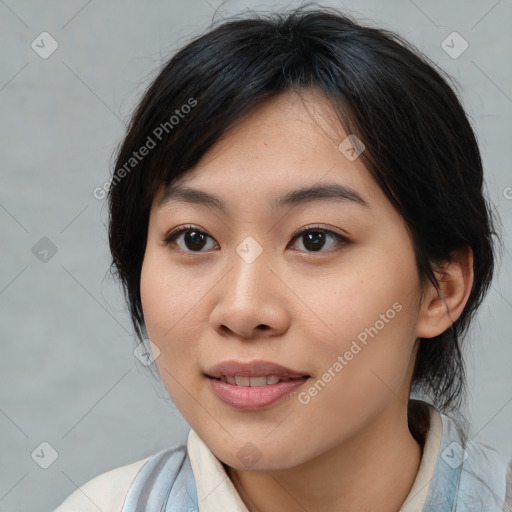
{"points": [[240, 380], [258, 381]]}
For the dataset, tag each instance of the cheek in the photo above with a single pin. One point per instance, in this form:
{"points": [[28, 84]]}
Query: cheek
{"points": [[167, 295], [357, 380], [371, 313], [362, 296], [380, 340], [168, 313], [170, 307], [174, 304]]}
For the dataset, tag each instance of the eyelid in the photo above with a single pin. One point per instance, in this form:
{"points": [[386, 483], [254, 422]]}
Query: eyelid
{"points": [[319, 227], [169, 237]]}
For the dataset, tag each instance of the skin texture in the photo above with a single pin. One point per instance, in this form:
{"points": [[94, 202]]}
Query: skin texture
{"points": [[349, 447]]}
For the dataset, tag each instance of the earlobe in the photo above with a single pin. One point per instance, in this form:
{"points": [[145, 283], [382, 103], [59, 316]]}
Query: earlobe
{"points": [[440, 309]]}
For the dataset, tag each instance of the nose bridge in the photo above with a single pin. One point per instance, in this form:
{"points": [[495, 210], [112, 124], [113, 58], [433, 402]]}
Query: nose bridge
{"points": [[250, 270], [249, 250]]}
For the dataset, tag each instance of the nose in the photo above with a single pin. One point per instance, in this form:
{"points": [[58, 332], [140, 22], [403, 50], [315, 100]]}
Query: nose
{"points": [[251, 301]]}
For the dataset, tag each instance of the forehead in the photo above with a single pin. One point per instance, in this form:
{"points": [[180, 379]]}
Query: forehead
{"points": [[285, 152]]}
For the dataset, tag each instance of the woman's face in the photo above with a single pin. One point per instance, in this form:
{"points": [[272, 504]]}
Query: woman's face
{"points": [[319, 289]]}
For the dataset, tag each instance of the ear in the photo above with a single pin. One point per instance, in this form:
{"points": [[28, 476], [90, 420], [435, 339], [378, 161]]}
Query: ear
{"points": [[439, 310]]}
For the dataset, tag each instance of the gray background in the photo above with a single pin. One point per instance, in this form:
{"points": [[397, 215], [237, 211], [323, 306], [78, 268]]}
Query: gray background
{"points": [[67, 369]]}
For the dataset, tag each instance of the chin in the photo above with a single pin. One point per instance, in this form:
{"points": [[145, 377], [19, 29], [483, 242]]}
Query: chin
{"points": [[250, 457]]}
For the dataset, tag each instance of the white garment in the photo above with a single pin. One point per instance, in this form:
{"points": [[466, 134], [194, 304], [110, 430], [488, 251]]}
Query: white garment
{"points": [[105, 492]]}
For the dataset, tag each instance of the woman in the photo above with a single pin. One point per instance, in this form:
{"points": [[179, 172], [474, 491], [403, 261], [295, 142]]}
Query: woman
{"points": [[284, 222]]}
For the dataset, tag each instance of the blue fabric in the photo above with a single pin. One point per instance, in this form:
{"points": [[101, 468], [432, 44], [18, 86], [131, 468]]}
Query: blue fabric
{"points": [[164, 484], [466, 479], [470, 479]]}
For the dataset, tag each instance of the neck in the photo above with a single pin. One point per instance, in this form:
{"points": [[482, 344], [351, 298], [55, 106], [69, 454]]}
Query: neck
{"points": [[374, 470]]}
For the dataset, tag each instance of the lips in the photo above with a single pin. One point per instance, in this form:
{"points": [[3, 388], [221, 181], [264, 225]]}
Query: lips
{"points": [[253, 386]]}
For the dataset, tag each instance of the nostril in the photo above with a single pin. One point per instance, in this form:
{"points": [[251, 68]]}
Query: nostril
{"points": [[263, 327]]}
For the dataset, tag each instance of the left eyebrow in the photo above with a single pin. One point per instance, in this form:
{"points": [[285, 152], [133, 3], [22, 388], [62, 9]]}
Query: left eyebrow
{"points": [[329, 191], [319, 193]]}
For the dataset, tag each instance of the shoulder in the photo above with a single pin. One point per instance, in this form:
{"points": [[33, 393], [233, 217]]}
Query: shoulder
{"points": [[508, 496], [468, 474], [108, 491], [486, 477]]}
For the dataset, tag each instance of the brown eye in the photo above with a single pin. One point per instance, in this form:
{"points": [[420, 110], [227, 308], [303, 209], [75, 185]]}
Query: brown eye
{"points": [[194, 240], [315, 239]]}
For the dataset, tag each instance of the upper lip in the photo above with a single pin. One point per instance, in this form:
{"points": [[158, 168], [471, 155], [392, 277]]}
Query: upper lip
{"points": [[252, 369]]}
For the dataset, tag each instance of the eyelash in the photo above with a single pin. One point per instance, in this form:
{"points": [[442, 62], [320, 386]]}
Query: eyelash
{"points": [[341, 240]]}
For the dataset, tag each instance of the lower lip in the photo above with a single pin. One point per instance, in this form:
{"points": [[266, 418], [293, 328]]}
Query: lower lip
{"points": [[254, 398]]}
